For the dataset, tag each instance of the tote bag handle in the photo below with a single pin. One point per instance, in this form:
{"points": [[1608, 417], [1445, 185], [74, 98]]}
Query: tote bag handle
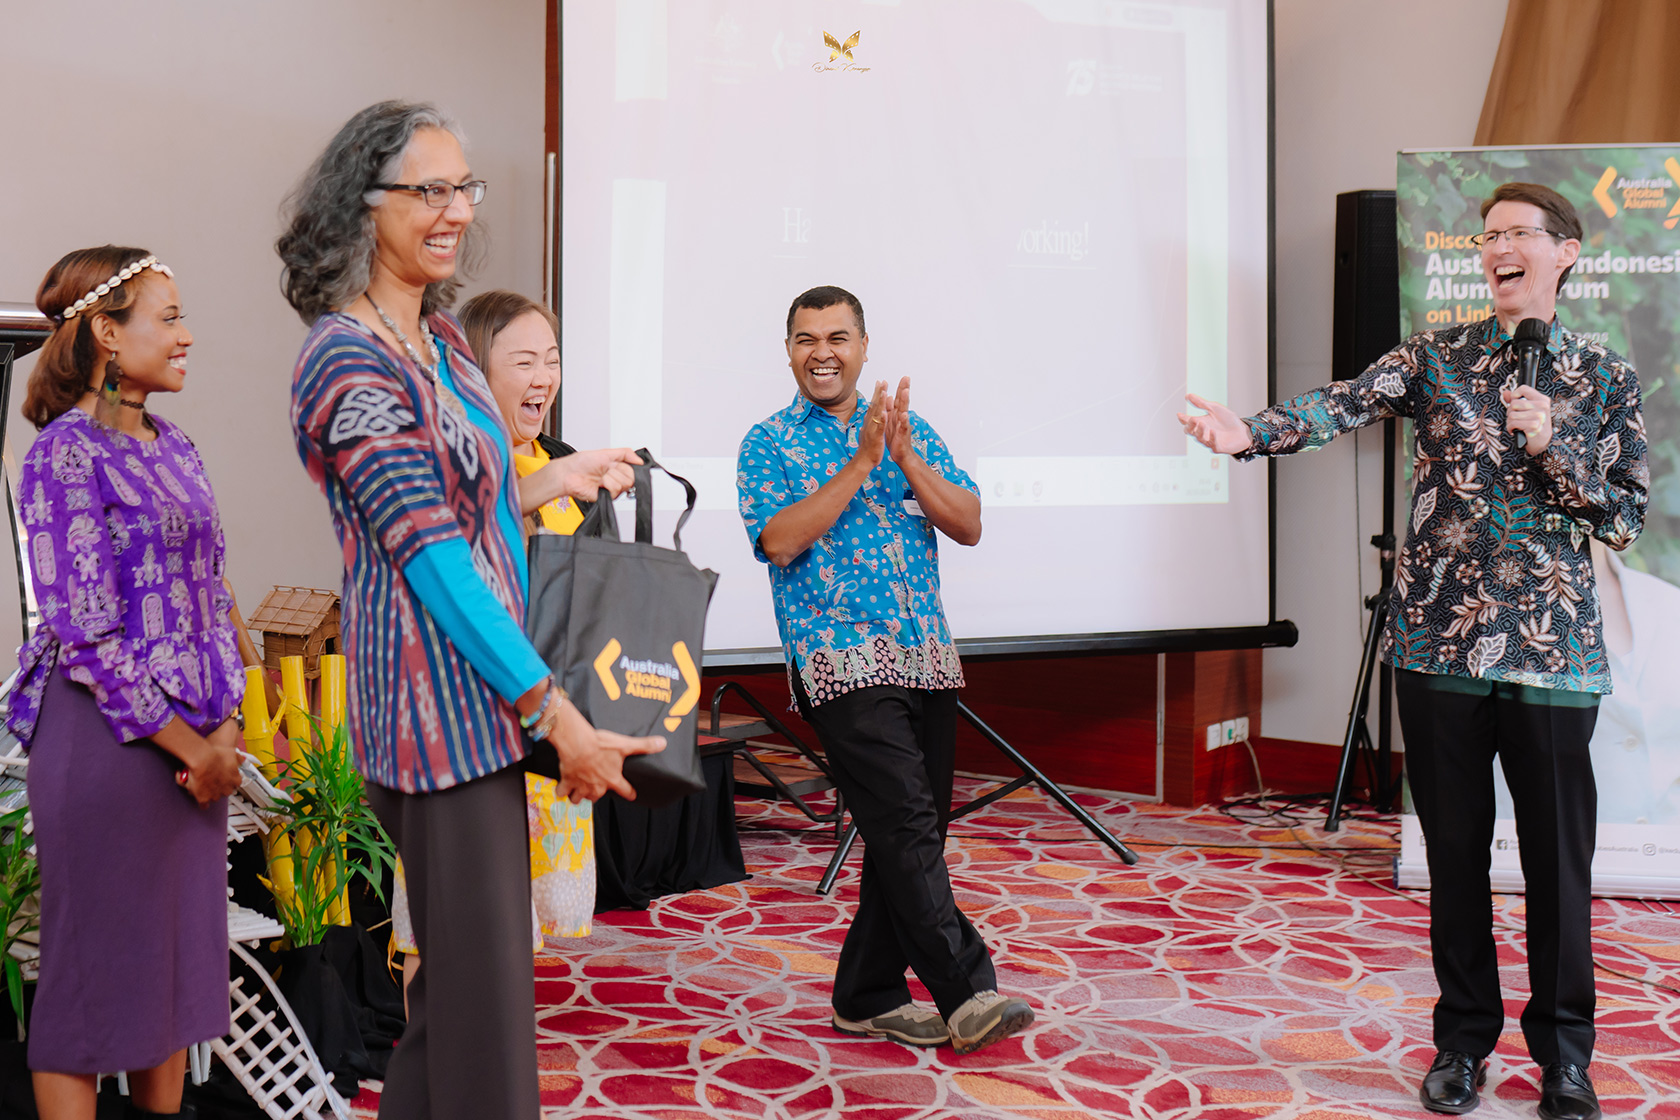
{"points": [[644, 499], [603, 520]]}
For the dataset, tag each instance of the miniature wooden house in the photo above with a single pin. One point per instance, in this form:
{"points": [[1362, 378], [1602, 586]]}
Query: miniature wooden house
{"points": [[297, 620]]}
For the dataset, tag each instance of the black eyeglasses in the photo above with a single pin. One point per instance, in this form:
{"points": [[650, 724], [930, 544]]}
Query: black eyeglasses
{"points": [[1516, 235], [439, 195]]}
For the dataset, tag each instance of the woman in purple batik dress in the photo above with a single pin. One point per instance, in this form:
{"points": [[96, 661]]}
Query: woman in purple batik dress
{"points": [[125, 696]]}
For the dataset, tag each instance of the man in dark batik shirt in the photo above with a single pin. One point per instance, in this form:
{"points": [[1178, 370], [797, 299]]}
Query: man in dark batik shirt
{"points": [[1494, 629]]}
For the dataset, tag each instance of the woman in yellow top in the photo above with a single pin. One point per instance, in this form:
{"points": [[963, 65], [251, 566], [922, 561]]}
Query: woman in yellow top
{"points": [[522, 350], [515, 340]]}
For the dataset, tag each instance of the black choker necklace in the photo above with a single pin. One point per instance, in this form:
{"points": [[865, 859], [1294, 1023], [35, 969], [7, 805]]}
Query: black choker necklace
{"points": [[138, 406]]}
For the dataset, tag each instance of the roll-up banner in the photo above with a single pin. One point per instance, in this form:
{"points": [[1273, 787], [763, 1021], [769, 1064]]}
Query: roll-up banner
{"points": [[1624, 291]]}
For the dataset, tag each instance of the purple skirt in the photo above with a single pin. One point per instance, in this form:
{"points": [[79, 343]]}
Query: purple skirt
{"points": [[134, 950]]}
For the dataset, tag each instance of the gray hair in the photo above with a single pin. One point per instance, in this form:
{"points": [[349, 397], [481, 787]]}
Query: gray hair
{"points": [[327, 249]]}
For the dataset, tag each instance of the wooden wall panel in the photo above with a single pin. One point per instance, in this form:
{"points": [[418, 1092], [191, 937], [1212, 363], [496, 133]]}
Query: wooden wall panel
{"points": [[1086, 721], [1090, 721]]}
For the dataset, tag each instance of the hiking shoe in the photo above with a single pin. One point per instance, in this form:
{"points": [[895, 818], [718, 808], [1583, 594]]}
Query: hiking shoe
{"points": [[985, 1018], [911, 1025]]}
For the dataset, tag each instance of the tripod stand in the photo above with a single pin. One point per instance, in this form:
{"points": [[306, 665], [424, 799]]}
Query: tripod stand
{"points": [[1030, 775], [1378, 756]]}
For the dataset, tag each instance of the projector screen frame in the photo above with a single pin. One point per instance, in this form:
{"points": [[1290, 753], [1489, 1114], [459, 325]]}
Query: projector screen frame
{"points": [[1273, 634]]}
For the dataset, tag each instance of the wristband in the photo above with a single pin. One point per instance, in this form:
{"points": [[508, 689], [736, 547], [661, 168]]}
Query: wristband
{"points": [[542, 730], [530, 721]]}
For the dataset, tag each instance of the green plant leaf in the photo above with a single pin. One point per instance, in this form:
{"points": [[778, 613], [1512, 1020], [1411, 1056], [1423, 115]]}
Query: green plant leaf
{"points": [[14, 988], [335, 837]]}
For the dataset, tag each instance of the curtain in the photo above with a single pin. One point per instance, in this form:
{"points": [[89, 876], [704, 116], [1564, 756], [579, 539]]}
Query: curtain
{"points": [[1585, 72]]}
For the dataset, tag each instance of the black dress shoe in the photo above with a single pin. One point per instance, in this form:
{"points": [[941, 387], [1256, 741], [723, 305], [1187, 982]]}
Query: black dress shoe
{"points": [[1566, 1093], [1452, 1081]]}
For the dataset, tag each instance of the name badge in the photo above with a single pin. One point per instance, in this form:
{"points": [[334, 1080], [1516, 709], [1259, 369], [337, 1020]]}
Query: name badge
{"points": [[913, 508]]}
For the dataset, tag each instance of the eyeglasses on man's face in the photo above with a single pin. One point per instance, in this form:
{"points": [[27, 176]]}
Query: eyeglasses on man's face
{"points": [[1516, 235], [438, 194]]}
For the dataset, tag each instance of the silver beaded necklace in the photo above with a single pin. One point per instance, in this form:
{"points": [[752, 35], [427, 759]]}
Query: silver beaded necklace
{"points": [[447, 397]]}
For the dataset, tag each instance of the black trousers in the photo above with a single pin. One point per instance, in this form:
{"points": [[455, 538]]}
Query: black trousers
{"points": [[1451, 741], [893, 751], [471, 1044]]}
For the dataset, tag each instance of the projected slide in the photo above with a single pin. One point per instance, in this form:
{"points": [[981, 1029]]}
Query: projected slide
{"points": [[1054, 215]]}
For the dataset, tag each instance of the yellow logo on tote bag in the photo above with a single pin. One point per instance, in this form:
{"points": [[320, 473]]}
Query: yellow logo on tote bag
{"points": [[651, 680]]}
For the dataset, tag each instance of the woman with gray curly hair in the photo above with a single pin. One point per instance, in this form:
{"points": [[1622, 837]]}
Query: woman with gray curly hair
{"points": [[396, 424]]}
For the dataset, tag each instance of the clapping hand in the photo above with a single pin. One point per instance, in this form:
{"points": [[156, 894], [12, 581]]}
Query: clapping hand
{"points": [[1221, 430], [877, 422], [899, 443]]}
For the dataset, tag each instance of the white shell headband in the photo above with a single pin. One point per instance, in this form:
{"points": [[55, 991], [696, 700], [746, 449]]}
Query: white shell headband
{"points": [[128, 273]]}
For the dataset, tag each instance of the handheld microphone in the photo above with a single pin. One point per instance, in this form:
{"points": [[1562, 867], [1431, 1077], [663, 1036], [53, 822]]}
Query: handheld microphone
{"points": [[1529, 343]]}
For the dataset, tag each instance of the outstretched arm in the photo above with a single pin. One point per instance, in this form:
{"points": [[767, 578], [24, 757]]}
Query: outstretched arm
{"points": [[1313, 419], [581, 475], [1220, 430]]}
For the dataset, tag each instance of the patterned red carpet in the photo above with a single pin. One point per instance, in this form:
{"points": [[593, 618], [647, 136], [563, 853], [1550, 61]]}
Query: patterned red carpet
{"points": [[1240, 970]]}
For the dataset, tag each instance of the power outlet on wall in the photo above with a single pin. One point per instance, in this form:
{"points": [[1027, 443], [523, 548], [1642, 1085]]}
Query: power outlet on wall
{"points": [[1228, 731]]}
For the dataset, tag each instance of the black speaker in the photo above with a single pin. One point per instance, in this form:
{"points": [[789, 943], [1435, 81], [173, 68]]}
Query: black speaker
{"points": [[1367, 307]]}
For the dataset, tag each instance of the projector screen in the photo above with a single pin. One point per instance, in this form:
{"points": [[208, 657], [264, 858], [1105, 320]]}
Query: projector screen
{"points": [[1055, 215]]}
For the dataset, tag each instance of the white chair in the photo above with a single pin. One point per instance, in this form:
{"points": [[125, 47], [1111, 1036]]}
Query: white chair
{"points": [[271, 1056], [266, 1049]]}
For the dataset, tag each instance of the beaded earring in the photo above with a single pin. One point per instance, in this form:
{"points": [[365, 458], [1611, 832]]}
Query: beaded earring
{"points": [[109, 406]]}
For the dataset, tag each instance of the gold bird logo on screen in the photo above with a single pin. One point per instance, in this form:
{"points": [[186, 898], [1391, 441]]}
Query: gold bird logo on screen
{"points": [[837, 49]]}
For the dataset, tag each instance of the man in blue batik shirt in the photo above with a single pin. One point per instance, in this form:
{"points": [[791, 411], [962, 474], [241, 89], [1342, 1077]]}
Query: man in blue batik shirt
{"points": [[842, 501]]}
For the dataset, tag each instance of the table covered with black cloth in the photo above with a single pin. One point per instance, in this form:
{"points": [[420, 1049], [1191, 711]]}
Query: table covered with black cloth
{"points": [[642, 854]]}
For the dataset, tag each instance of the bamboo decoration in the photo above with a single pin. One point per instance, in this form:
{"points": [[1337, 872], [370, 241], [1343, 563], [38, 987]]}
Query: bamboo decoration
{"points": [[297, 620], [260, 729], [294, 713], [294, 702], [333, 681], [294, 694], [313, 855]]}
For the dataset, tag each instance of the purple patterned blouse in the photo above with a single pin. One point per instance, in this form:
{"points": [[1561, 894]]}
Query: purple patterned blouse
{"points": [[125, 547]]}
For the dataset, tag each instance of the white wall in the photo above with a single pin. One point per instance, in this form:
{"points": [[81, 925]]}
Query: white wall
{"points": [[1357, 80], [178, 125]]}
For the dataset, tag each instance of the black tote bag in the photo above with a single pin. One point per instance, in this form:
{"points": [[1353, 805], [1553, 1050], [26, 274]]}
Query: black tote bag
{"points": [[620, 624]]}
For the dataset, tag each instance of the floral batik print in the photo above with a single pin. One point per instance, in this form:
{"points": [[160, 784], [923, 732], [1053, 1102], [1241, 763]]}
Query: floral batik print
{"points": [[125, 551], [562, 858], [861, 606], [1495, 580], [562, 839]]}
